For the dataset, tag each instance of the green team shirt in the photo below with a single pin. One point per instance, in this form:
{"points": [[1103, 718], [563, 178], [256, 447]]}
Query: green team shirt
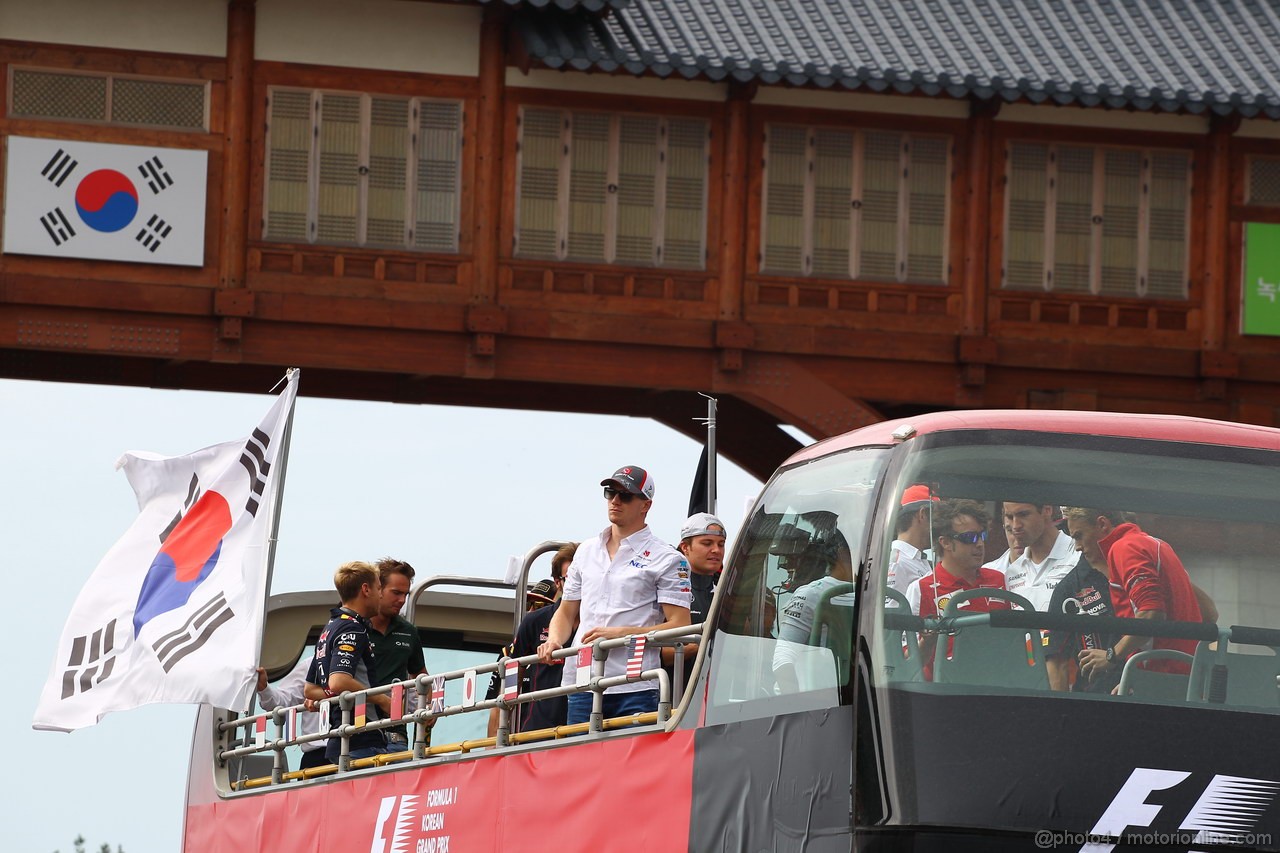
{"points": [[397, 654]]}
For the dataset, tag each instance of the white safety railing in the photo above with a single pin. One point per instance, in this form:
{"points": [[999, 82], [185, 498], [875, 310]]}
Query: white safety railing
{"points": [[251, 730]]}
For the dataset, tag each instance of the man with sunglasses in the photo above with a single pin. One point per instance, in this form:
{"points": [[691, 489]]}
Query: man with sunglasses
{"points": [[624, 581], [960, 535]]}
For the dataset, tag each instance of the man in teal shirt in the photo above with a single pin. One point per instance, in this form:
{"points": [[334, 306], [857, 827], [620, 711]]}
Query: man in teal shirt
{"points": [[397, 648]]}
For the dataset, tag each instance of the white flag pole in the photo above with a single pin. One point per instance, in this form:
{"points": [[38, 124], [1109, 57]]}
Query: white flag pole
{"points": [[282, 466]]}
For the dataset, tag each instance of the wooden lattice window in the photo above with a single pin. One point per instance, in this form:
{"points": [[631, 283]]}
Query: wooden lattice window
{"points": [[108, 98], [347, 168], [856, 204], [1089, 219], [612, 188], [1264, 182]]}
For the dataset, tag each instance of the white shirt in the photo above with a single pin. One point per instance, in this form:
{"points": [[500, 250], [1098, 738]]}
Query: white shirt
{"points": [[907, 563], [630, 589], [1036, 581], [1001, 563], [288, 692], [795, 623]]}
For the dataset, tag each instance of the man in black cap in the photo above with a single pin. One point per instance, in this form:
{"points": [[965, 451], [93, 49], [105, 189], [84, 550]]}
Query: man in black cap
{"points": [[624, 581]]}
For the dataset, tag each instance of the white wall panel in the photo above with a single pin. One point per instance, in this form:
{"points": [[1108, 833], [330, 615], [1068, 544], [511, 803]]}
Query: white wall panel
{"points": [[189, 26], [389, 35]]}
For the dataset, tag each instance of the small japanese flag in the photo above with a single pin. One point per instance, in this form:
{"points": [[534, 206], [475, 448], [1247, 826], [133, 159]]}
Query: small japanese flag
{"points": [[469, 689], [584, 666], [635, 663], [511, 680]]}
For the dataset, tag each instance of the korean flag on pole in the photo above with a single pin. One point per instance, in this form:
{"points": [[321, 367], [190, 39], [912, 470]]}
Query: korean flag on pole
{"points": [[69, 199], [173, 613]]}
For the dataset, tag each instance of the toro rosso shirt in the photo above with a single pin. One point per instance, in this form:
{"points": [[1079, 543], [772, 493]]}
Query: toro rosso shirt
{"points": [[344, 647], [630, 589]]}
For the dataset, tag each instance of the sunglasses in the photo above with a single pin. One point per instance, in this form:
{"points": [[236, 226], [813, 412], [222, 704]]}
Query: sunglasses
{"points": [[624, 497], [970, 537]]}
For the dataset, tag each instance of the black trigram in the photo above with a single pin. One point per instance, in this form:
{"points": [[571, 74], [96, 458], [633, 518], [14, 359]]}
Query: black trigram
{"points": [[59, 168], [90, 662], [193, 494], [254, 460], [154, 174], [194, 633], [153, 233], [59, 227]]}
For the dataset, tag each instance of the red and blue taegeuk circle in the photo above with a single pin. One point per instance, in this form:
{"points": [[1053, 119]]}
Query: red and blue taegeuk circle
{"points": [[106, 200]]}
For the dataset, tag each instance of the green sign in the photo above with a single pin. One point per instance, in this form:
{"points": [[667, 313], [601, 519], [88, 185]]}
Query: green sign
{"points": [[1261, 278]]}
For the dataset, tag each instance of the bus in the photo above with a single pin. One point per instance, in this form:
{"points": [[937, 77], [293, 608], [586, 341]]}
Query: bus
{"points": [[865, 745]]}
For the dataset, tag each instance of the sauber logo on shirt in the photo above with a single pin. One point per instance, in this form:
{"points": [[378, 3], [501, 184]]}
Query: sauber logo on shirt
{"points": [[1225, 813]]}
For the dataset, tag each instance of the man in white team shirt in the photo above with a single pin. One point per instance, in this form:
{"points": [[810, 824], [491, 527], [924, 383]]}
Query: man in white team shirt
{"points": [[909, 559], [624, 581], [1048, 554]]}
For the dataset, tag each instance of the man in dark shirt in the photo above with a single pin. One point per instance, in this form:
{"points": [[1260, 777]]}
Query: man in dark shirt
{"points": [[1084, 591], [397, 647], [345, 659], [533, 631]]}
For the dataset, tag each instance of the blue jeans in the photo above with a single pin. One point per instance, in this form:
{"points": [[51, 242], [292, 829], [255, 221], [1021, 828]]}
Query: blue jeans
{"points": [[334, 750], [615, 704]]}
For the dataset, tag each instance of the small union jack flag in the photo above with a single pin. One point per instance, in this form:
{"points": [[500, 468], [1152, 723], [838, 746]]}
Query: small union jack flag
{"points": [[635, 663], [511, 680], [260, 732], [397, 702], [437, 694]]}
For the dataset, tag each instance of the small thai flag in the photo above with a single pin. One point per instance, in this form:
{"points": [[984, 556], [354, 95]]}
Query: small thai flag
{"points": [[359, 718], [635, 663], [290, 727], [511, 680], [260, 732], [584, 666], [397, 702], [437, 694]]}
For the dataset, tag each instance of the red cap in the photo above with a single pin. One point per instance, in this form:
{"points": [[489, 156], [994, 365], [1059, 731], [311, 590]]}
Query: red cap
{"points": [[918, 493]]}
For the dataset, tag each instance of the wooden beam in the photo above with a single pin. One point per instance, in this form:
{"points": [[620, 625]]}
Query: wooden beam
{"points": [[1214, 233], [977, 212], [733, 203], [489, 132], [236, 149]]}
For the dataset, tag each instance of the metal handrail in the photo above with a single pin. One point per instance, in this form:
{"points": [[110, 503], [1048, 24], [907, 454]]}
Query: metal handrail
{"points": [[422, 684]]}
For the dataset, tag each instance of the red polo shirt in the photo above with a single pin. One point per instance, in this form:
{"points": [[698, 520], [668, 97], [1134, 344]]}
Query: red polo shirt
{"points": [[929, 596]]}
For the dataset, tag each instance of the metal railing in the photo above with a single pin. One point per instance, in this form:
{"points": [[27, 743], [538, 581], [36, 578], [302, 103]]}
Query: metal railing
{"points": [[430, 709]]}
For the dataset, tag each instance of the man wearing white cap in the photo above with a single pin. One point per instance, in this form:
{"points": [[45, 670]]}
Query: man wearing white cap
{"points": [[702, 542], [624, 581]]}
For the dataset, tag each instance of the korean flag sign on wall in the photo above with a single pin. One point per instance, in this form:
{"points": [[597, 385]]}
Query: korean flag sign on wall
{"points": [[89, 200]]}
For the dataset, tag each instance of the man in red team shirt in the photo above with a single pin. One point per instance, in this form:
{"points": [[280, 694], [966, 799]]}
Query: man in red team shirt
{"points": [[960, 534], [1148, 581]]}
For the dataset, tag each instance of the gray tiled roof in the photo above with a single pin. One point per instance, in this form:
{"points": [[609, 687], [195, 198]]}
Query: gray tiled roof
{"points": [[1194, 55], [589, 5]]}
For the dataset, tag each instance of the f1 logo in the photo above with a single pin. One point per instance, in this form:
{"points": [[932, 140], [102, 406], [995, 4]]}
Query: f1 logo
{"points": [[399, 827], [1228, 808]]}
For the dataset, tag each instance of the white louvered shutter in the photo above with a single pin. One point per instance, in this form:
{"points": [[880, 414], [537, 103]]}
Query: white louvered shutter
{"points": [[388, 165], [637, 190], [785, 166], [338, 192], [832, 202], [1121, 202], [1073, 220], [289, 132], [437, 202], [540, 161], [684, 219], [588, 178], [1169, 200], [928, 174], [881, 186], [1027, 195]]}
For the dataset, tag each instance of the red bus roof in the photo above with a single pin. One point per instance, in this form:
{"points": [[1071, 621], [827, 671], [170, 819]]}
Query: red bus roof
{"points": [[1159, 427]]}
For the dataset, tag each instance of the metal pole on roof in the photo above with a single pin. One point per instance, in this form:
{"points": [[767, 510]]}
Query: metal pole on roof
{"points": [[711, 454]]}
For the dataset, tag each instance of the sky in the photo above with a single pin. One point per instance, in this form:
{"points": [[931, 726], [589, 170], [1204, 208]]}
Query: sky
{"points": [[451, 490]]}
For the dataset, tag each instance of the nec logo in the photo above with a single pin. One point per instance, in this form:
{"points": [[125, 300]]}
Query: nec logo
{"points": [[1226, 812], [392, 836]]}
